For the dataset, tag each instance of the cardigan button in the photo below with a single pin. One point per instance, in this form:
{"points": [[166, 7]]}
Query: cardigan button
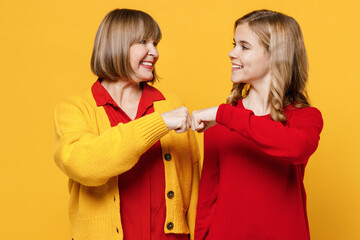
{"points": [[170, 225], [167, 156], [170, 194]]}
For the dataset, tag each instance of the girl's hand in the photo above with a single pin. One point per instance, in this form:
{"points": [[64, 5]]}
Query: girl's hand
{"points": [[203, 119], [178, 119]]}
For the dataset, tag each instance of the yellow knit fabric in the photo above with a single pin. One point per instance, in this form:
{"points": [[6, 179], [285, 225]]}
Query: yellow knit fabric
{"points": [[92, 154]]}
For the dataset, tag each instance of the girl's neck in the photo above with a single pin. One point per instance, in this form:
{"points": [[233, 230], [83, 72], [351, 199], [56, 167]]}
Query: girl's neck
{"points": [[258, 98]]}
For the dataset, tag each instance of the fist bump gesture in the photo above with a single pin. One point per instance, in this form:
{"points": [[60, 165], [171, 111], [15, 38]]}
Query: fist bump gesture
{"points": [[180, 119]]}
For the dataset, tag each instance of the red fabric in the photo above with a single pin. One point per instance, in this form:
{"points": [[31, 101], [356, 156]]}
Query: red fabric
{"points": [[252, 179], [142, 188]]}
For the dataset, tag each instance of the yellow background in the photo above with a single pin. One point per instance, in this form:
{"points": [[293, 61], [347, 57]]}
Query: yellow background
{"points": [[45, 54]]}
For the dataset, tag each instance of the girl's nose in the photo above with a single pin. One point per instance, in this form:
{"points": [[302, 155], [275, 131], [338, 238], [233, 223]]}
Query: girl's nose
{"points": [[232, 54]]}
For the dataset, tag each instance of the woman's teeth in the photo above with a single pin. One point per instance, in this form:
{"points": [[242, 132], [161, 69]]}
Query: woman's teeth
{"points": [[237, 66]]}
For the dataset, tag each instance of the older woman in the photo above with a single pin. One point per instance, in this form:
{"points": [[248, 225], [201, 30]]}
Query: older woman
{"points": [[130, 176]]}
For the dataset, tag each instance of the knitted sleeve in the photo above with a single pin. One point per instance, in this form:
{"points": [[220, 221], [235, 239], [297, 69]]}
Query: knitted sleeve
{"points": [[208, 189], [90, 158], [294, 142]]}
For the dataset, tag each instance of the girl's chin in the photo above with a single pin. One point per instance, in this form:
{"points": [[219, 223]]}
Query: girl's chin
{"points": [[237, 80]]}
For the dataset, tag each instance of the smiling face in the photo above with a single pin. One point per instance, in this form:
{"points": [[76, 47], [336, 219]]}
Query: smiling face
{"points": [[143, 56], [120, 30], [250, 60]]}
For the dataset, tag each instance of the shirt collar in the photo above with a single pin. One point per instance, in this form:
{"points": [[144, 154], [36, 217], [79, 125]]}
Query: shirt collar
{"points": [[149, 95], [100, 94]]}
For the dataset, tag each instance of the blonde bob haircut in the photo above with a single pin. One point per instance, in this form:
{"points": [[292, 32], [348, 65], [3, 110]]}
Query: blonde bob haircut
{"points": [[118, 30], [282, 37]]}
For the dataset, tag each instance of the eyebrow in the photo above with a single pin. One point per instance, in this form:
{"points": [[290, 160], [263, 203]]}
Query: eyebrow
{"points": [[242, 42]]}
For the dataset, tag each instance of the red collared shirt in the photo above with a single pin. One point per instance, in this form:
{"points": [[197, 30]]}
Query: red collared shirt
{"points": [[142, 188]]}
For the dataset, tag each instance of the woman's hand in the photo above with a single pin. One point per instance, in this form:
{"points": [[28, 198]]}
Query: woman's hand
{"points": [[178, 119], [203, 119]]}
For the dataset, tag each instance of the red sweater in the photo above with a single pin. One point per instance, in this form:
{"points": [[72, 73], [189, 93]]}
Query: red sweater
{"points": [[252, 178]]}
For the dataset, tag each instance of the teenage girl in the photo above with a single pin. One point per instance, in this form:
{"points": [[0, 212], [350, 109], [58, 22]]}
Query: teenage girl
{"points": [[255, 156]]}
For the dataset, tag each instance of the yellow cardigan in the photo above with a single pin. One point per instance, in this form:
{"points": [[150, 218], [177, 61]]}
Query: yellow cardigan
{"points": [[92, 154]]}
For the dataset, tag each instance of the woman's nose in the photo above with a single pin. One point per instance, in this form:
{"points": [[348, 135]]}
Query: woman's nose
{"points": [[153, 51]]}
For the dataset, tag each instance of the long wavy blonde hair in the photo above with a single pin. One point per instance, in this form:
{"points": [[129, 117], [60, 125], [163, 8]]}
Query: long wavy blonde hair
{"points": [[281, 35]]}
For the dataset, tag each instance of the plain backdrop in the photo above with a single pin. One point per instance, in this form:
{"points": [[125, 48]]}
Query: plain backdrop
{"points": [[45, 56]]}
